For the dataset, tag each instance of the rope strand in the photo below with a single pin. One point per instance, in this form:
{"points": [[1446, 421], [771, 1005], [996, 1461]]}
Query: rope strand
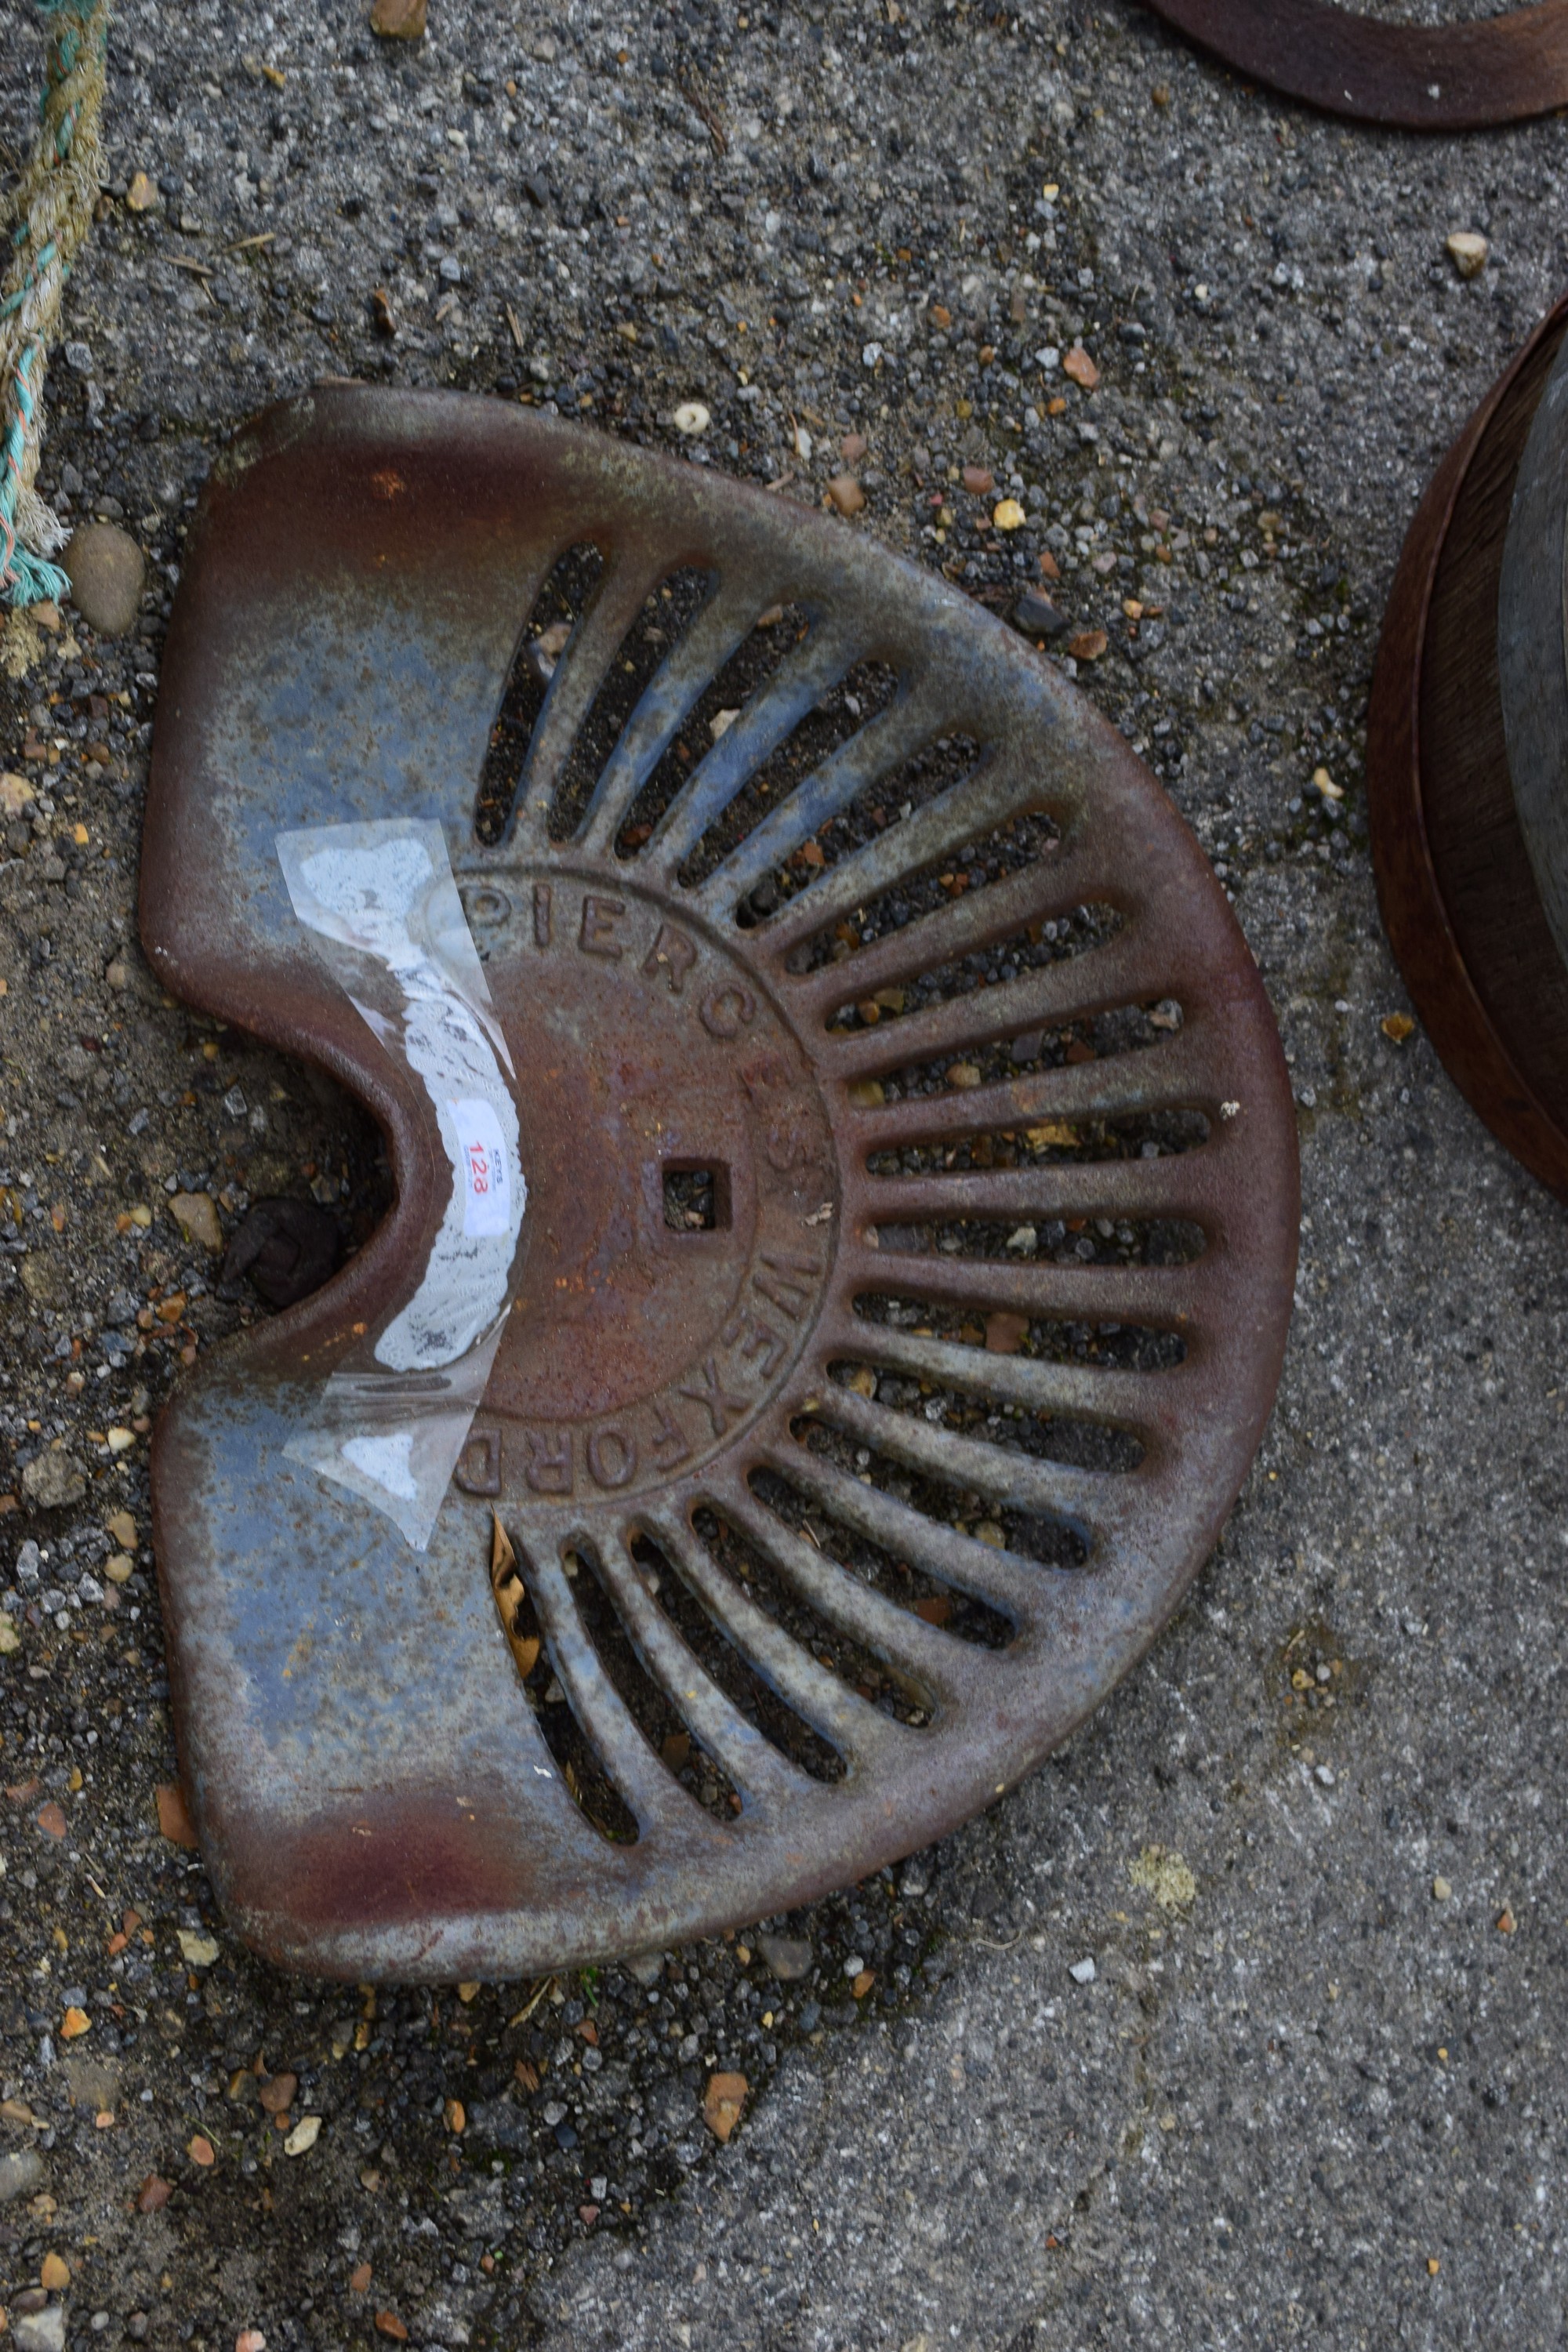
{"points": [[43, 223]]}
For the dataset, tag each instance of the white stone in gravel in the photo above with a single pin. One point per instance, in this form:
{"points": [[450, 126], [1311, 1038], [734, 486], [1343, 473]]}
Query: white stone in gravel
{"points": [[22, 2174], [1083, 1972], [1467, 252], [41, 2331]]}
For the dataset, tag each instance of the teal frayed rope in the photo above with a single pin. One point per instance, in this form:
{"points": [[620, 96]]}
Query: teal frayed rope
{"points": [[47, 217]]}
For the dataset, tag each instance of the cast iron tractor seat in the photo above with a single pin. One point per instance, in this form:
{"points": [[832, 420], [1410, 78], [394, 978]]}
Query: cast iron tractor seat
{"points": [[907, 1198]]}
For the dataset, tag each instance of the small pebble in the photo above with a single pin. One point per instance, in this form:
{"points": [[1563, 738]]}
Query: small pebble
{"points": [[1083, 1972], [1467, 252], [691, 418], [106, 571], [1441, 1890], [789, 1957], [1037, 617]]}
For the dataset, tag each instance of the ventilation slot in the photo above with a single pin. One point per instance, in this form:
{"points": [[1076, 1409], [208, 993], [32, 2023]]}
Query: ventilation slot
{"points": [[843, 712], [561, 601], [1047, 1143], [1032, 1535], [1026, 844], [1059, 1240], [968, 1413], [578, 1759], [997, 966], [748, 670], [1115, 1347], [884, 1686], [656, 1718], [957, 1613], [742, 1685], [667, 613], [877, 812]]}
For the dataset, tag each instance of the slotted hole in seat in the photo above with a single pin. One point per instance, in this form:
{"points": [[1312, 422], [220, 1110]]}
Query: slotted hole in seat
{"points": [[561, 601], [1002, 966], [1118, 1346], [581, 1768], [959, 1615], [1044, 1437], [667, 612], [1032, 1535], [755, 661], [1047, 1143], [842, 711], [1062, 1241], [645, 1701], [1024, 841], [885, 1686], [907, 787], [1012, 1049], [747, 1690]]}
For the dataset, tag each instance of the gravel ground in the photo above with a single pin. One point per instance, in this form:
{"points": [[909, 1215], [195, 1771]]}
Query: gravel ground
{"points": [[1312, 2089]]}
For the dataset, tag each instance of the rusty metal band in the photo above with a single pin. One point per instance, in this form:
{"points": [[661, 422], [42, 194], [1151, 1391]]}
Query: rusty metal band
{"points": [[1506, 69], [1533, 648], [1455, 881]]}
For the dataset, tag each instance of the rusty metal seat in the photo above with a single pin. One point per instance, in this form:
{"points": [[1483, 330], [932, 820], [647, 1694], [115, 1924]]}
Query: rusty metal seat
{"points": [[910, 1198]]}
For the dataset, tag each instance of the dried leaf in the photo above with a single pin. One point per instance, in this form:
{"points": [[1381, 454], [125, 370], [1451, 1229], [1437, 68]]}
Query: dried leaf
{"points": [[1081, 367], [173, 1814], [503, 1556], [1397, 1026], [1089, 645], [202, 2151], [154, 2194], [726, 2096], [398, 20], [277, 2092], [1004, 1333]]}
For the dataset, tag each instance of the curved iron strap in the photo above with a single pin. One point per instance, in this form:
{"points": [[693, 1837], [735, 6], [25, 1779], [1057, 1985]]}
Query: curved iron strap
{"points": [[1504, 69]]}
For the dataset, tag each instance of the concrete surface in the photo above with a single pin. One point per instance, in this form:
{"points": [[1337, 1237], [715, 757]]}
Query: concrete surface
{"points": [[1305, 2097]]}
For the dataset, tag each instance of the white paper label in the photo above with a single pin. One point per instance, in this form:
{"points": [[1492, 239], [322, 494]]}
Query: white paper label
{"points": [[381, 899], [482, 1147]]}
